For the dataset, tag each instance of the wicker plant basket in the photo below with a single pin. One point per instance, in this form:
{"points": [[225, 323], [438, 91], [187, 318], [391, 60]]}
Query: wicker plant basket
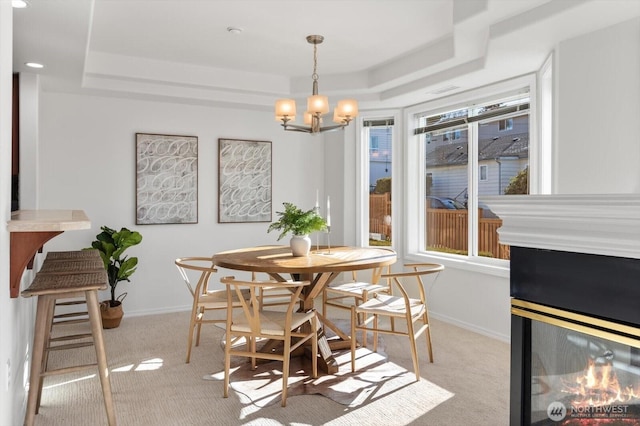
{"points": [[112, 315]]}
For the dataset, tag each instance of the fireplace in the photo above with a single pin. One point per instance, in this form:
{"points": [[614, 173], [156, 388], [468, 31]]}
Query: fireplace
{"points": [[575, 308]]}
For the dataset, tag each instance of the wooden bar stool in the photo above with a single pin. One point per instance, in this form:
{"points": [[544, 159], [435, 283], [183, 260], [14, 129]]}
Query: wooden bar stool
{"points": [[50, 287], [69, 262]]}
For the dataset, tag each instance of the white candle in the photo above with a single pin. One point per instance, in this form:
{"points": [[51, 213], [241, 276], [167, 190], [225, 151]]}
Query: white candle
{"points": [[317, 200], [328, 212]]}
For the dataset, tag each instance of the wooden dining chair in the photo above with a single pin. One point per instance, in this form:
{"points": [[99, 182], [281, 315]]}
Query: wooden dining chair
{"points": [[402, 306], [274, 295], [254, 324], [204, 299], [343, 294]]}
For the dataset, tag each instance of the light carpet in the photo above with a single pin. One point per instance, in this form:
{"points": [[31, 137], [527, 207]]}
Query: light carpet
{"points": [[375, 378], [468, 384]]}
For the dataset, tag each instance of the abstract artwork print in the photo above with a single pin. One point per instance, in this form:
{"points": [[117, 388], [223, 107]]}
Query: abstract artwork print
{"points": [[166, 179], [244, 181]]}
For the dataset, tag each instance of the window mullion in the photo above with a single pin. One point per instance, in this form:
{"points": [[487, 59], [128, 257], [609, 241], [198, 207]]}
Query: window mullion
{"points": [[472, 191], [362, 170]]}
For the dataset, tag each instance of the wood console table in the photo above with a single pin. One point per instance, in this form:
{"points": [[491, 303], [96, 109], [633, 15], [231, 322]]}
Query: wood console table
{"points": [[30, 229]]}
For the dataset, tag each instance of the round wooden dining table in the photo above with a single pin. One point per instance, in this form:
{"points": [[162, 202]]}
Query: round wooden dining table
{"points": [[321, 267]]}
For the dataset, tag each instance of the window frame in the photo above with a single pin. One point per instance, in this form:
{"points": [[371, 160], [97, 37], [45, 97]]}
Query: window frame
{"points": [[414, 203], [482, 167], [362, 175]]}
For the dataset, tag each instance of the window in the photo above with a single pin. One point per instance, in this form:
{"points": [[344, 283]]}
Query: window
{"points": [[483, 172], [452, 135], [506, 124], [373, 145], [489, 156], [379, 134]]}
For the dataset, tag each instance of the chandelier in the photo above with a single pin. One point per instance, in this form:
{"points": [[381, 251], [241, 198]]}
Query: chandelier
{"points": [[317, 105]]}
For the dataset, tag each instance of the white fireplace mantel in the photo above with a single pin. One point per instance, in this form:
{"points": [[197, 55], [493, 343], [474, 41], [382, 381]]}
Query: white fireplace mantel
{"points": [[607, 224]]}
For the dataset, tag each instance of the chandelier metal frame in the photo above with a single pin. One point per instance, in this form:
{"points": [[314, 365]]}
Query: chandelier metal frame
{"points": [[317, 105]]}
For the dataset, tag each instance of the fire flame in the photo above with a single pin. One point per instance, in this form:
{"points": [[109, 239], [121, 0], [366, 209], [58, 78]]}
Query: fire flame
{"points": [[599, 386]]}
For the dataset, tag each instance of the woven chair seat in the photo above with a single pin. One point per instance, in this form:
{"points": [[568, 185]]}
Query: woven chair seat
{"points": [[391, 306], [271, 323], [70, 266], [358, 287], [73, 255], [54, 283], [217, 299]]}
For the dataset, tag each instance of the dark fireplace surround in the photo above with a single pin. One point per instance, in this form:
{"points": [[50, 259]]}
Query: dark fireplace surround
{"points": [[575, 253]]}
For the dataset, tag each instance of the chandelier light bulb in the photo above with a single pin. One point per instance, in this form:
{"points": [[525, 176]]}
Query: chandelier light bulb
{"points": [[318, 104], [347, 108], [285, 108]]}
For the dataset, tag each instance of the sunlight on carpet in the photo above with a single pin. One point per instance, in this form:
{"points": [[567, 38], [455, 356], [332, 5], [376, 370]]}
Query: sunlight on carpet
{"points": [[374, 380]]}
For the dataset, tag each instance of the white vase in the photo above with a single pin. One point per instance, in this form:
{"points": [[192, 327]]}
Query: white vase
{"points": [[300, 245]]}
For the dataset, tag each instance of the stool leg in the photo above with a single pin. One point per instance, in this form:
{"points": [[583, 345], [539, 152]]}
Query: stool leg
{"points": [[51, 307], [36, 357], [103, 368]]}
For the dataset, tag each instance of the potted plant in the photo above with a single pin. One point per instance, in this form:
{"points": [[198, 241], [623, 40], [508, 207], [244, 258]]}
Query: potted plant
{"points": [[300, 223], [112, 244]]}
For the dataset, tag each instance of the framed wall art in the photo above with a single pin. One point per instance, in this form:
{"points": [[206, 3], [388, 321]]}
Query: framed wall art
{"points": [[166, 179], [244, 181]]}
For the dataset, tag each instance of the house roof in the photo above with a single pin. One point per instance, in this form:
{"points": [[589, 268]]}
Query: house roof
{"points": [[456, 153]]}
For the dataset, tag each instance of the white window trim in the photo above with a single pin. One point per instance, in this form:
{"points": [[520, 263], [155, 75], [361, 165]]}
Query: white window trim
{"points": [[362, 175], [546, 111], [415, 174]]}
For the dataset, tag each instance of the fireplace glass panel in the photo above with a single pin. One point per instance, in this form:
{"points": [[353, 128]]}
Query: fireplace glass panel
{"points": [[581, 379]]}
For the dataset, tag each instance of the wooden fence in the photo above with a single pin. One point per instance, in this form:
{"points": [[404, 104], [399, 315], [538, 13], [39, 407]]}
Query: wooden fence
{"points": [[379, 208], [447, 230]]}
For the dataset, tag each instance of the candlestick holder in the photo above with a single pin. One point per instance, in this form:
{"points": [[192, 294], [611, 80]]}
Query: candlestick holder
{"points": [[328, 239], [317, 209]]}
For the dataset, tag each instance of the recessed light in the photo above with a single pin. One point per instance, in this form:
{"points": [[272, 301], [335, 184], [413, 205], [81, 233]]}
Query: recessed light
{"points": [[234, 30], [34, 65], [19, 4]]}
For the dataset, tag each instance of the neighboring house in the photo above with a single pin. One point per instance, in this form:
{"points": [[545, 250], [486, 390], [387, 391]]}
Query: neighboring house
{"points": [[379, 154], [503, 152]]}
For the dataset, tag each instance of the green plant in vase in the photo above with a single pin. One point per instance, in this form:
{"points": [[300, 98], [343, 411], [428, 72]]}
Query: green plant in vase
{"points": [[300, 223]]}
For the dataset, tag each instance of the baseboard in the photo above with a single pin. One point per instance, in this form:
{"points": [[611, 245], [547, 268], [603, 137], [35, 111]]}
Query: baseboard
{"points": [[470, 327], [158, 311]]}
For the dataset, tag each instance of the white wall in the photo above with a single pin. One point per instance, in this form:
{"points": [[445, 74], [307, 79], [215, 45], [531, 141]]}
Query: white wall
{"points": [[598, 112], [87, 151], [16, 315], [473, 300], [7, 325]]}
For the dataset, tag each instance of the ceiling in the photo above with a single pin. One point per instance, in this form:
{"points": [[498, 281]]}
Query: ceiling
{"points": [[384, 53]]}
